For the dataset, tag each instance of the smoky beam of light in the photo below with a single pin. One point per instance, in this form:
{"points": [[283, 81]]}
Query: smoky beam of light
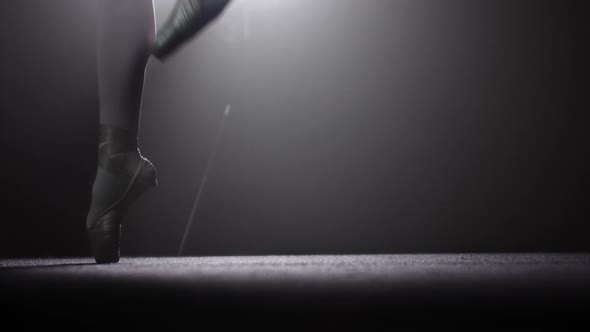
{"points": [[191, 218]]}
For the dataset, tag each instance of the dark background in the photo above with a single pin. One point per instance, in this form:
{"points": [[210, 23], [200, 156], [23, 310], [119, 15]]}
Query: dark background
{"points": [[356, 127]]}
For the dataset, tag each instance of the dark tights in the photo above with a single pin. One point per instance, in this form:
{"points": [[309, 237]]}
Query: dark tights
{"points": [[126, 32]]}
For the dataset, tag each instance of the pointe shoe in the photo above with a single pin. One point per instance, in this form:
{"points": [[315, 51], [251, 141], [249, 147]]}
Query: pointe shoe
{"points": [[187, 19], [122, 176]]}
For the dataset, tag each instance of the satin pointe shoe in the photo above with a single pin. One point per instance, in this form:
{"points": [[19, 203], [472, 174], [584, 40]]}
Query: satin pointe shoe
{"points": [[187, 19], [123, 174]]}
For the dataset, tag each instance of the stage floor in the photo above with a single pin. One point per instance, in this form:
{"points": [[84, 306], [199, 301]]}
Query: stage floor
{"points": [[497, 289]]}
